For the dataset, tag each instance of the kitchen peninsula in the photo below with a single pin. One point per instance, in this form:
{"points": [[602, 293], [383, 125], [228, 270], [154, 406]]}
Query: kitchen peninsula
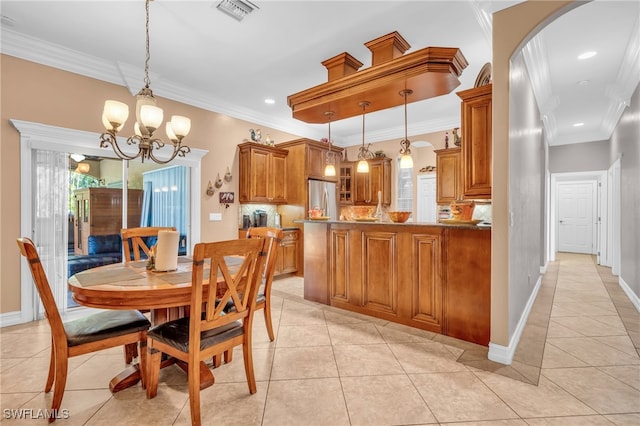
{"points": [[430, 276]]}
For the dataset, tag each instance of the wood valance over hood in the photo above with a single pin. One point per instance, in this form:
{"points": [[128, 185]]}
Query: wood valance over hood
{"points": [[428, 72]]}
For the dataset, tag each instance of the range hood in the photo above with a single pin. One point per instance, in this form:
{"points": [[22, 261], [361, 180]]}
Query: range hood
{"points": [[428, 72]]}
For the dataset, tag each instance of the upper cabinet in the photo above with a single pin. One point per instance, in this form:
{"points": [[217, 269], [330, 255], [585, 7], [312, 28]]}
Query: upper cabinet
{"points": [[263, 174], [476, 141], [347, 170], [307, 160], [366, 185], [449, 179]]}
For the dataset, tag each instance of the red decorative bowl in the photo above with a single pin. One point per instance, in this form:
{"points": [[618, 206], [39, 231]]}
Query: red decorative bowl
{"points": [[399, 217]]}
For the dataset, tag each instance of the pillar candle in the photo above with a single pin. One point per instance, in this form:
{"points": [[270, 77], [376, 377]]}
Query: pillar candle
{"points": [[167, 251]]}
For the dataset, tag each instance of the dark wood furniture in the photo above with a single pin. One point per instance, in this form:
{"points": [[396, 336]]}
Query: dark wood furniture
{"points": [[449, 175], [263, 174], [476, 142], [99, 212], [433, 277], [100, 331], [274, 240], [227, 319]]}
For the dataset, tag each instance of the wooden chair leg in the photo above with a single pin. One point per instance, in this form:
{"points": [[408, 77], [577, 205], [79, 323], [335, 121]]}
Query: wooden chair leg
{"points": [[143, 363], [130, 352], [194, 391], [217, 360], [267, 319], [248, 367], [153, 371], [228, 356], [60, 382], [52, 369]]}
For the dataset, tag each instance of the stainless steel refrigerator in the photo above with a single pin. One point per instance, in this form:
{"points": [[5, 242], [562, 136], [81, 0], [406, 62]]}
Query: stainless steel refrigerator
{"points": [[324, 196]]}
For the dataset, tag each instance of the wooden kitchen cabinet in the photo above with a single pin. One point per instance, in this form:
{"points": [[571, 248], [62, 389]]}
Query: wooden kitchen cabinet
{"points": [[345, 192], [263, 174], [367, 185], [449, 176], [476, 142], [287, 261]]}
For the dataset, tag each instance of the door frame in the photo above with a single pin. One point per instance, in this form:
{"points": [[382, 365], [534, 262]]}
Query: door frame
{"points": [[42, 136], [599, 177]]}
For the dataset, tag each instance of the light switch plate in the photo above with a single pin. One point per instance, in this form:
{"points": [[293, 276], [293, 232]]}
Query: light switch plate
{"points": [[215, 217]]}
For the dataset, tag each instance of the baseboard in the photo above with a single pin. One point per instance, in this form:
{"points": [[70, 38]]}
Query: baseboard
{"points": [[630, 294], [11, 318], [504, 354], [543, 269]]}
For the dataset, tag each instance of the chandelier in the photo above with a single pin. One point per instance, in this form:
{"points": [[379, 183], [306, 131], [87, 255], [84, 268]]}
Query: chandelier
{"points": [[148, 119], [406, 162], [329, 168], [363, 152]]}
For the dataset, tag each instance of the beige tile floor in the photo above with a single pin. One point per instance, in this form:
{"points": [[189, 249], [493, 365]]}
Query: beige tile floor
{"points": [[577, 364]]}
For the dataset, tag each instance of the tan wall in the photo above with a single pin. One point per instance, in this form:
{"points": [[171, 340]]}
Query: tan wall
{"points": [[512, 27], [46, 95]]}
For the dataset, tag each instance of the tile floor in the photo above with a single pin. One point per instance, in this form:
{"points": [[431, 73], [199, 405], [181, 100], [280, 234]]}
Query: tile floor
{"points": [[577, 364]]}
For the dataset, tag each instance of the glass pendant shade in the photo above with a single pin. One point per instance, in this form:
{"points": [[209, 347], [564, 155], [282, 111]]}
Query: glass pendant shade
{"points": [[363, 166], [169, 130], [180, 126], [329, 170], [114, 114], [151, 116], [406, 162]]}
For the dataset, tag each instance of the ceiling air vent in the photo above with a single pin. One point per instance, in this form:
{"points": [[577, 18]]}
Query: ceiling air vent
{"points": [[237, 9]]}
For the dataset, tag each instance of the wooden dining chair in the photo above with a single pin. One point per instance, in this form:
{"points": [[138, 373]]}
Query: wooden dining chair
{"points": [[212, 331], [274, 238], [90, 334], [134, 236]]}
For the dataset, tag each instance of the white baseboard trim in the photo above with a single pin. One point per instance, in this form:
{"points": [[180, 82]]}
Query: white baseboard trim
{"points": [[11, 318], [630, 294], [543, 269], [504, 354]]}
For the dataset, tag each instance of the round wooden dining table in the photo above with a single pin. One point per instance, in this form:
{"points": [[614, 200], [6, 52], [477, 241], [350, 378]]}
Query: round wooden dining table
{"points": [[131, 286]]}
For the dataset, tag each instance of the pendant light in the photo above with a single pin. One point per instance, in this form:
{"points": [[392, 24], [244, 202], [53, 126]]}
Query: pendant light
{"points": [[329, 168], [406, 162], [363, 153]]}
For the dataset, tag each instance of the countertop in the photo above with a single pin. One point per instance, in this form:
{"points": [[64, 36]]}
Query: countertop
{"points": [[480, 226]]}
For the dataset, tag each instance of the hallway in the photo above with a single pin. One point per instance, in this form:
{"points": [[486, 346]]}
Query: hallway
{"points": [[577, 364]]}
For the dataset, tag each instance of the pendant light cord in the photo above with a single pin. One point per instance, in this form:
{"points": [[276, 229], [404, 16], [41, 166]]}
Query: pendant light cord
{"points": [[147, 80]]}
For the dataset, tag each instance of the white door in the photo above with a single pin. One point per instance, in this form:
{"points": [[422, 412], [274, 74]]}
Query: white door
{"points": [[575, 217], [427, 208]]}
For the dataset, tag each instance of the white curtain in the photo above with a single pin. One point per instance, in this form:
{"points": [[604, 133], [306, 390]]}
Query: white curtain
{"points": [[51, 213]]}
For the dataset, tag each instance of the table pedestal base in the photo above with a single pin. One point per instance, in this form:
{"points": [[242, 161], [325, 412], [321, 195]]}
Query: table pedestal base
{"points": [[131, 375]]}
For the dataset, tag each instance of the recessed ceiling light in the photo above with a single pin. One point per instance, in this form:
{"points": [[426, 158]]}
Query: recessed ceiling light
{"points": [[587, 55], [578, 124], [237, 9], [269, 101], [584, 82]]}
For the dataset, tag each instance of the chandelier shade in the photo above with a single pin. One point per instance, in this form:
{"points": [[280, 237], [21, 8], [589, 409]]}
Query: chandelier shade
{"points": [[149, 118], [363, 152], [329, 168], [406, 161]]}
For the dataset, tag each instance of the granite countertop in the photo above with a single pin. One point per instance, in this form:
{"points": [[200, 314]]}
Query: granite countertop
{"points": [[480, 226]]}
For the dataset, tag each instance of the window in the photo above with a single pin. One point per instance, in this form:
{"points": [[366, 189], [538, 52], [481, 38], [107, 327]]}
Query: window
{"points": [[405, 189]]}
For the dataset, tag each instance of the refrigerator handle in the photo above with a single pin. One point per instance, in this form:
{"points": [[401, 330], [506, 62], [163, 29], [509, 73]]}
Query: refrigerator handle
{"points": [[325, 200]]}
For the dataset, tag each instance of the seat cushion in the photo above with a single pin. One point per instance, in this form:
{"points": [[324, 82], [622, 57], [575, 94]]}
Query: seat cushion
{"points": [[104, 325], [176, 334]]}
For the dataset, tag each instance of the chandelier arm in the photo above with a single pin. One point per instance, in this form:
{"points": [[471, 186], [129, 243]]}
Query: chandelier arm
{"points": [[108, 138], [178, 151]]}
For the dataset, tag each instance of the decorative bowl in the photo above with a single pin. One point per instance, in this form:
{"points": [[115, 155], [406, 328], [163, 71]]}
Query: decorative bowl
{"points": [[462, 210], [362, 211], [399, 217]]}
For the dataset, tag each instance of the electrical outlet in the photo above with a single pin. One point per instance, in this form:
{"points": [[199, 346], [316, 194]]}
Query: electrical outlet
{"points": [[215, 217]]}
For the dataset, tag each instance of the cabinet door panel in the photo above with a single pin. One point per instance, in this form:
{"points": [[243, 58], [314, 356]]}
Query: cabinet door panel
{"points": [[380, 277], [278, 179], [426, 279], [259, 173], [448, 181], [339, 258]]}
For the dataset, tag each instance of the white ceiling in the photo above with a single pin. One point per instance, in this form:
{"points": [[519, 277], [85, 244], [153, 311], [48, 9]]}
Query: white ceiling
{"points": [[203, 57]]}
